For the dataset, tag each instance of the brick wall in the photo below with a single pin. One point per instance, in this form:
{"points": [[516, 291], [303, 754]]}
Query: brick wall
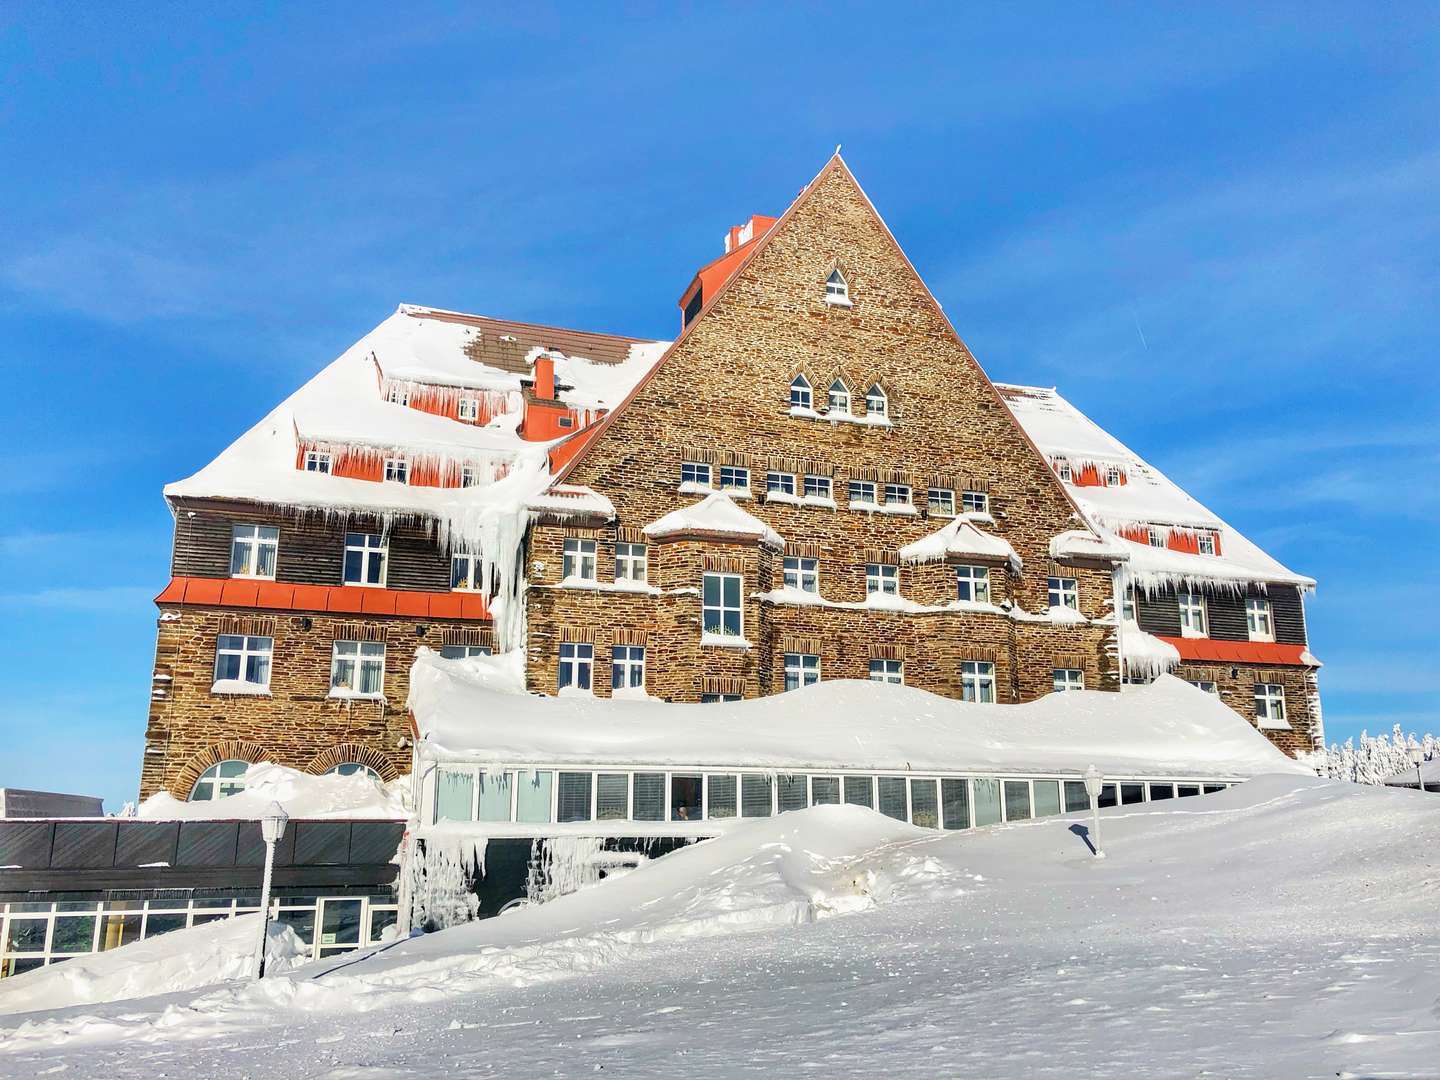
{"points": [[1236, 686]]}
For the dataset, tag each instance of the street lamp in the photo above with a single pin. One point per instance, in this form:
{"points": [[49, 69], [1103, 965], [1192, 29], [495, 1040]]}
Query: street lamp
{"points": [[272, 828], [1094, 784], [1417, 755]]}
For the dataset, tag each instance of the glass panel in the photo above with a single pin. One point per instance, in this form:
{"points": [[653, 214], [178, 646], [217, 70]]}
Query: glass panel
{"points": [[955, 803], [454, 796], [824, 790], [380, 921], [1076, 797], [574, 798], [302, 921], [612, 796], [26, 935], [722, 795], [892, 797], [755, 798], [793, 793], [1047, 797], [987, 801], [1107, 796], [1187, 790], [649, 796], [494, 797], [341, 922], [119, 930], [1017, 800], [75, 934], [201, 920], [1132, 793], [858, 791], [19, 967], [924, 804], [685, 798], [156, 925], [1210, 789], [1162, 791]]}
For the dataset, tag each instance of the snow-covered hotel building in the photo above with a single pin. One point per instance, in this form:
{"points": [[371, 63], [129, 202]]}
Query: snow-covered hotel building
{"points": [[815, 481]]}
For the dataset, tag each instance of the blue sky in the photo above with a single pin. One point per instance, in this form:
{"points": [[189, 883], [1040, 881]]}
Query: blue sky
{"points": [[1216, 231]]}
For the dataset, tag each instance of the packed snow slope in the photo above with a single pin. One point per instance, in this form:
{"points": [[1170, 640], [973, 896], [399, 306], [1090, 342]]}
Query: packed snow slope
{"points": [[1283, 928]]}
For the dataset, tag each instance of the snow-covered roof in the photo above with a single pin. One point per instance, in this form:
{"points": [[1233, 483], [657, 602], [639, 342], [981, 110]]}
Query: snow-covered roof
{"points": [[1429, 772], [959, 537], [715, 514], [1148, 497], [475, 709]]}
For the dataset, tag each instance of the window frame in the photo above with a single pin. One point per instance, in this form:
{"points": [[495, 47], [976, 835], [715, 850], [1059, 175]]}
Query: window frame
{"points": [[318, 461], [579, 660], [214, 775], [625, 662], [474, 568], [877, 401], [978, 579], [1193, 608], [891, 672], [1203, 541], [253, 546], [1066, 679], [852, 485], [573, 555], [802, 394], [878, 575], [696, 469], [636, 559], [838, 400], [801, 574], [468, 408], [397, 470], [977, 681], [941, 502], [904, 495], [736, 474], [362, 659], [368, 553], [824, 485], [1064, 589], [248, 649], [980, 498], [1270, 698], [723, 607], [800, 670], [837, 289], [775, 483], [1257, 611]]}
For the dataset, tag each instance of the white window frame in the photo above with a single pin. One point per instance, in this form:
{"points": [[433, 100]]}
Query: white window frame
{"points": [[1113, 476], [1062, 469], [468, 409], [469, 578], [215, 778], [1194, 616], [632, 563], [801, 670], [1207, 685], [977, 681], [818, 487], [578, 559], [363, 657], [1270, 710], [887, 671], [1063, 592], [779, 483], [1128, 610], [899, 495], [802, 394], [882, 579], [318, 461], [397, 470], [250, 646], [577, 661], [837, 398], [975, 580], [1259, 619], [1063, 679], [864, 486], [254, 540], [723, 608], [940, 502], [802, 574], [1205, 543], [398, 395], [380, 549], [734, 478], [700, 473], [1155, 537], [837, 289], [461, 651], [975, 502], [627, 663], [877, 402]]}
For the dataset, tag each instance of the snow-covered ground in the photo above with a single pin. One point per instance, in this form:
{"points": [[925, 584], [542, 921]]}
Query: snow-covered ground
{"points": [[1283, 928]]}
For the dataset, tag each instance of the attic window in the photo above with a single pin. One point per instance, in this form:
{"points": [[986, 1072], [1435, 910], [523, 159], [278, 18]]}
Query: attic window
{"points": [[397, 471], [399, 395], [1062, 469], [839, 396], [1154, 537], [1205, 543], [1113, 476], [800, 393], [469, 409], [876, 403], [837, 289]]}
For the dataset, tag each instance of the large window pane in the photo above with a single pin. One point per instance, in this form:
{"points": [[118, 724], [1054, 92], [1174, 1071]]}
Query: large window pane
{"points": [[1187, 790], [955, 803], [494, 797], [924, 804], [612, 796], [1107, 796], [649, 796], [858, 791], [1047, 797], [722, 795], [74, 934], [793, 793], [1132, 793], [755, 795], [892, 797], [824, 790], [1017, 800], [987, 801], [573, 798], [1076, 797], [685, 798], [1162, 791], [454, 795], [532, 795], [26, 935]]}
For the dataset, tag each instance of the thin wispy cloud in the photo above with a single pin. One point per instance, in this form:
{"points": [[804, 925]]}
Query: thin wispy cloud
{"points": [[105, 599]]}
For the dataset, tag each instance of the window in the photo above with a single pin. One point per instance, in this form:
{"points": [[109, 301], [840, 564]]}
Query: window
{"points": [[1127, 603], [882, 578], [357, 668], [1017, 800], [466, 572], [220, 780], [977, 681], [862, 491], [941, 501], [1113, 476], [576, 661], [1064, 593], [1270, 705], [572, 799], [876, 403], [252, 550], [1205, 543], [887, 671], [352, 768], [800, 394], [779, 483], [973, 583], [1192, 614], [397, 471], [317, 461], [533, 789], [897, 495], [469, 409], [801, 669], [1154, 537], [802, 574], [695, 472], [839, 398], [1207, 685], [1257, 619], [716, 699], [364, 559], [631, 563], [859, 791], [792, 791], [756, 799], [399, 395], [565, 421], [975, 502], [818, 487], [463, 652], [721, 605], [648, 797], [685, 792], [837, 289], [241, 659], [1069, 679], [733, 478], [1062, 469], [612, 796], [627, 667], [579, 559], [469, 476]]}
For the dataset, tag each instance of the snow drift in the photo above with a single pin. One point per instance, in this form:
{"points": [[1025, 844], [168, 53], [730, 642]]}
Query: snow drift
{"points": [[302, 795]]}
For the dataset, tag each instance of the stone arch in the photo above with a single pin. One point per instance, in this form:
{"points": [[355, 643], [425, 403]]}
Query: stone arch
{"points": [[340, 753], [229, 750]]}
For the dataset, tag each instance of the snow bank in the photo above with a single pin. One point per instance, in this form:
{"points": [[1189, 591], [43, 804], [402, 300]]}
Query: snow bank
{"points": [[1167, 728], [181, 960], [303, 795]]}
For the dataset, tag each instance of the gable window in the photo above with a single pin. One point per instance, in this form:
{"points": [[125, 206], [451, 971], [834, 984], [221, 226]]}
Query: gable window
{"points": [[801, 669], [818, 487], [631, 563], [576, 661], [1113, 476], [733, 478], [469, 409], [862, 491], [839, 396], [399, 395], [469, 476], [695, 472], [1192, 614], [780, 483], [973, 583], [800, 393], [1208, 685], [223, 779], [882, 578], [627, 667], [1258, 621], [579, 559], [242, 659], [1127, 603], [466, 572], [317, 461], [252, 550], [977, 681], [940, 501], [1205, 543], [397, 471], [802, 574], [365, 556], [1154, 537], [357, 668], [1069, 679], [887, 671], [897, 494], [975, 502], [876, 403], [1062, 469], [463, 652], [720, 608], [1064, 592], [1270, 705], [837, 289]]}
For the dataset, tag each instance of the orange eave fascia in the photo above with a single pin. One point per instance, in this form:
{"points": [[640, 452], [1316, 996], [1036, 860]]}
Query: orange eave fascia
{"points": [[257, 595], [1212, 650]]}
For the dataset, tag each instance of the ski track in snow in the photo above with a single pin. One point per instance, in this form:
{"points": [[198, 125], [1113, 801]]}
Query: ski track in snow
{"points": [[1281, 929]]}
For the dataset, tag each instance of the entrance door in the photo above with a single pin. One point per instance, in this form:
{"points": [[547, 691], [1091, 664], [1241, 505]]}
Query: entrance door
{"points": [[340, 922]]}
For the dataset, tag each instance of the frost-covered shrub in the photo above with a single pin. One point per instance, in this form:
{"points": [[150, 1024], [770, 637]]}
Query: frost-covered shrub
{"points": [[1374, 760]]}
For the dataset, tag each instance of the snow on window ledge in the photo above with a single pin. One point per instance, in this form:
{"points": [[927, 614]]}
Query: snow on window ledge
{"points": [[978, 517], [633, 693], [838, 301], [1273, 725], [822, 501], [803, 413], [867, 507], [1061, 614], [1188, 632], [735, 492], [576, 582], [783, 497], [901, 509], [575, 691], [240, 688], [693, 487], [339, 693], [725, 641]]}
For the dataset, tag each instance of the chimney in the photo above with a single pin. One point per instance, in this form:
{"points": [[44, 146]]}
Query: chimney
{"points": [[545, 377]]}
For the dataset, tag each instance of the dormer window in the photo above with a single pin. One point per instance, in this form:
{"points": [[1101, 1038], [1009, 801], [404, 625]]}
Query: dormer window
{"points": [[397, 471], [1205, 543], [469, 409], [801, 396], [1113, 476], [317, 461], [1154, 537], [876, 403], [399, 396], [1062, 469], [839, 396], [837, 289]]}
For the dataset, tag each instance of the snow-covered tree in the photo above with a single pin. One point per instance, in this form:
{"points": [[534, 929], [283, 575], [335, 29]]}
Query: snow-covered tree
{"points": [[1374, 759]]}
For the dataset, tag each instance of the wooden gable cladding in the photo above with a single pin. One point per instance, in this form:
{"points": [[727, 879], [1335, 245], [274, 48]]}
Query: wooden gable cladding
{"points": [[1158, 613]]}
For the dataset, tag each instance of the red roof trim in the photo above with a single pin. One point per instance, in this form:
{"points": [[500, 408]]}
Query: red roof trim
{"points": [[1239, 652], [336, 599]]}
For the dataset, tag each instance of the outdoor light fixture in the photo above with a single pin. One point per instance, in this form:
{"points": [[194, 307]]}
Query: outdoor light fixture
{"points": [[1094, 784], [1417, 755], [272, 828]]}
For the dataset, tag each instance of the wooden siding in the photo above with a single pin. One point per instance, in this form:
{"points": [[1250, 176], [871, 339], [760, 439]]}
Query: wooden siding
{"points": [[1159, 613]]}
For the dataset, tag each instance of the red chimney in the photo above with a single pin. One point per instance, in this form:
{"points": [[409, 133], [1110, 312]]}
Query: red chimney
{"points": [[545, 377]]}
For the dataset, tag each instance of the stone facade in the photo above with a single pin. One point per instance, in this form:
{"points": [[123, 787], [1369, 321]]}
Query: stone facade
{"points": [[1235, 683]]}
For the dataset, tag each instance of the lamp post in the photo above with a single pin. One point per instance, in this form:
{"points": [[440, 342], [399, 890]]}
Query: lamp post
{"points": [[1094, 784], [272, 828], [1417, 755]]}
